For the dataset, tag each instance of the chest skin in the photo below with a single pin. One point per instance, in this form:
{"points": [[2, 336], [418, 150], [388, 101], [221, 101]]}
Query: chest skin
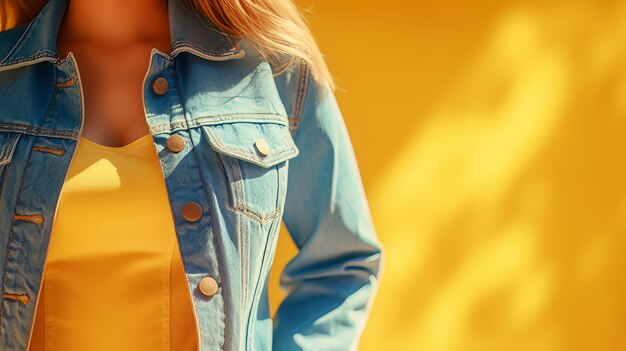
{"points": [[112, 79]]}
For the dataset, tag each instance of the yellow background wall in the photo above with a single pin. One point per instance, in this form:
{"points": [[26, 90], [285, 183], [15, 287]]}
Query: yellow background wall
{"points": [[491, 137]]}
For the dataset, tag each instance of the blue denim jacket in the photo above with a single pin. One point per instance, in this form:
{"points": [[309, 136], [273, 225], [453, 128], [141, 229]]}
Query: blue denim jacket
{"points": [[258, 149]]}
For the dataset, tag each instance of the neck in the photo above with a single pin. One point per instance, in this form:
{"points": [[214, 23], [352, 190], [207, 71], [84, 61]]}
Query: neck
{"points": [[115, 23]]}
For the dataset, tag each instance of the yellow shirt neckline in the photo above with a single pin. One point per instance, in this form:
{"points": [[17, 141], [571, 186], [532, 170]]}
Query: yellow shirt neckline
{"points": [[142, 141]]}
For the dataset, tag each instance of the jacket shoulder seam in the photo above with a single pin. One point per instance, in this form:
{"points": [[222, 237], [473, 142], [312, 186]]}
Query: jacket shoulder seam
{"points": [[302, 88]]}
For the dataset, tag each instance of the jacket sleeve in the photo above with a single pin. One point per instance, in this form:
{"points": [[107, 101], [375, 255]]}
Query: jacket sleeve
{"points": [[332, 281]]}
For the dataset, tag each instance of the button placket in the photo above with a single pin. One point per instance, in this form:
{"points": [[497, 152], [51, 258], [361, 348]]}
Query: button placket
{"points": [[190, 210]]}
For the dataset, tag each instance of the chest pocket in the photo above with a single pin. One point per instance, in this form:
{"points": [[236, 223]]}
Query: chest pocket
{"points": [[8, 144], [255, 154]]}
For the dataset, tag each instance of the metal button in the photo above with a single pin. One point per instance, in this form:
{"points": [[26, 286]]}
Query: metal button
{"points": [[192, 211], [262, 147], [175, 143], [208, 286], [160, 86]]}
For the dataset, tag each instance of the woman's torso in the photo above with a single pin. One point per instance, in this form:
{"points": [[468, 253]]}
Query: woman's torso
{"points": [[226, 197]]}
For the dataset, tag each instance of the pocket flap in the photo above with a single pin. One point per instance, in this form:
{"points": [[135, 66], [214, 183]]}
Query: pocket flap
{"points": [[264, 142]]}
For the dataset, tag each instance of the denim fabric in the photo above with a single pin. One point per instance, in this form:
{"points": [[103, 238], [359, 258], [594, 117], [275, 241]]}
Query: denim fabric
{"points": [[222, 99]]}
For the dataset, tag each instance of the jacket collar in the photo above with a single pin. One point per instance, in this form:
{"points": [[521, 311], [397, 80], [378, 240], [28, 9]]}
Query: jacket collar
{"points": [[37, 41]]}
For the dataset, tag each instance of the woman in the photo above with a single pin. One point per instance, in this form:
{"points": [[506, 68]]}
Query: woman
{"points": [[141, 196]]}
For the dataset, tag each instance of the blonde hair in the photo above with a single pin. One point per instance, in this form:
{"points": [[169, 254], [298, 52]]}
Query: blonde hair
{"points": [[16, 12], [275, 27]]}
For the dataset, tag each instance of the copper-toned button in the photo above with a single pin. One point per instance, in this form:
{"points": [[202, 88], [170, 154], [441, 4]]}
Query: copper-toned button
{"points": [[175, 143], [192, 211], [160, 86], [262, 147], [208, 286]]}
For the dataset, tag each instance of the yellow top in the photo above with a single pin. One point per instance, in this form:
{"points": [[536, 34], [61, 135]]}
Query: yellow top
{"points": [[114, 278]]}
